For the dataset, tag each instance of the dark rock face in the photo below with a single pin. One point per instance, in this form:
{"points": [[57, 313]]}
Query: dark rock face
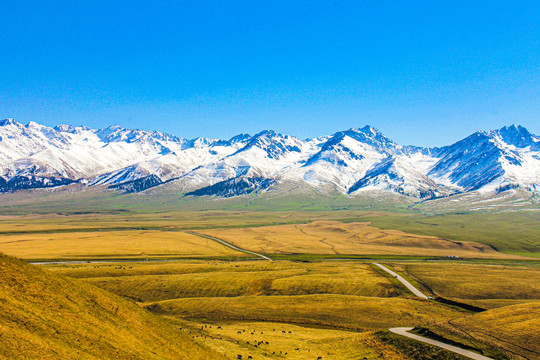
{"points": [[234, 187]]}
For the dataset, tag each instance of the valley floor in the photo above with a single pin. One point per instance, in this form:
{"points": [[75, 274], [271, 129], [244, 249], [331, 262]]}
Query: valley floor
{"points": [[318, 297]]}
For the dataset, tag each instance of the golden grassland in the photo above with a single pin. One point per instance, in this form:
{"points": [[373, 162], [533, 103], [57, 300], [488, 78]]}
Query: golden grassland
{"points": [[357, 313], [50, 316], [332, 307], [483, 285], [346, 296], [273, 232], [46, 316], [512, 329], [335, 306], [113, 244], [147, 282], [279, 340], [332, 237], [509, 232]]}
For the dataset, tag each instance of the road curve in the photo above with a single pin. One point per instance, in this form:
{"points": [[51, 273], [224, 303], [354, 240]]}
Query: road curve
{"points": [[407, 284], [229, 245], [403, 332]]}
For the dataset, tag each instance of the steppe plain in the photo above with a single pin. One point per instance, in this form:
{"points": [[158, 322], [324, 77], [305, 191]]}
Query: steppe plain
{"points": [[319, 297]]}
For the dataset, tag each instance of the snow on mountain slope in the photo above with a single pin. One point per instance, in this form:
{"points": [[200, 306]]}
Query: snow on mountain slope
{"points": [[349, 156], [486, 161], [353, 161], [395, 174], [193, 154], [264, 155], [341, 160], [34, 151]]}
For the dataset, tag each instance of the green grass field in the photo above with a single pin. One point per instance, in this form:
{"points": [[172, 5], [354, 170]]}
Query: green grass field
{"points": [[509, 232]]}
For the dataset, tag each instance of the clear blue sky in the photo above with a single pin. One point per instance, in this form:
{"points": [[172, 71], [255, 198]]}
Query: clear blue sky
{"points": [[422, 72]]}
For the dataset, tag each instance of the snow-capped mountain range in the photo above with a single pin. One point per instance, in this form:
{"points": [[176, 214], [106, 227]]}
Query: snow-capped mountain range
{"points": [[350, 162]]}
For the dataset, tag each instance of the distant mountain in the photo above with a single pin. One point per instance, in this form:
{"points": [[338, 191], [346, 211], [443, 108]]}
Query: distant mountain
{"points": [[351, 162]]}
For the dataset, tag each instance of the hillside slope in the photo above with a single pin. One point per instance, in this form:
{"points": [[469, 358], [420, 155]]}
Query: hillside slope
{"points": [[512, 329], [46, 316]]}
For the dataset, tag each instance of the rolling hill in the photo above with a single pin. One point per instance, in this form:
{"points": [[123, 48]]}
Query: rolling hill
{"points": [[47, 316]]}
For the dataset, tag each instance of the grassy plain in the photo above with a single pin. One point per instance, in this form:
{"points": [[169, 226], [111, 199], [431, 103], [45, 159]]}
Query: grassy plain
{"points": [[508, 232], [112, 244], [161, 235], [332, 237]]}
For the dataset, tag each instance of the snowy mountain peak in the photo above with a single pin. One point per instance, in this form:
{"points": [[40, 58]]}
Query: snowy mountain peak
{"points": [[117, 133], [8, 121], [517, 136], [239, 138], [275, 145], [371, 136]]}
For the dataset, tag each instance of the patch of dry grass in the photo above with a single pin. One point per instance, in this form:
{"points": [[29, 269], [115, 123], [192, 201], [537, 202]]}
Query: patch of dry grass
{"points": [[341, 311], [146, 282], [478, 282], [332, 237], [113, 244], [278, 341], [511, 329]]}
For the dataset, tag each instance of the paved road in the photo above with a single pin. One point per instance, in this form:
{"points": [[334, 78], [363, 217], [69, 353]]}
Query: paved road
{"points": [[409, 286], [229, 245], [403, 331]]}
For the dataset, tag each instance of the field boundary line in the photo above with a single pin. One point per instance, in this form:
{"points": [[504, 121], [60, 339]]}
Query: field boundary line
{"points": [[223, 242], [403, 331], [407, 284]]}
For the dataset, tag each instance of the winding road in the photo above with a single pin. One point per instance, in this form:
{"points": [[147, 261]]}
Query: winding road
{"points": [[229, 245], [407, 284], [403, 331]]}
